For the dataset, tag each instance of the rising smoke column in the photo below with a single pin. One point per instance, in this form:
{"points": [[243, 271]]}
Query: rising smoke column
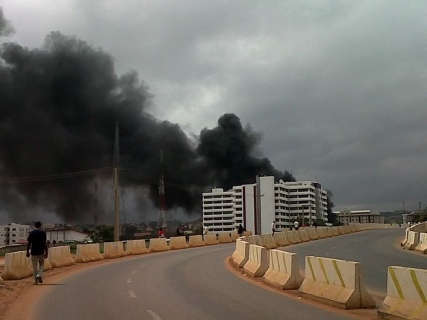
{"points": [[59, 105], [228, 150]]}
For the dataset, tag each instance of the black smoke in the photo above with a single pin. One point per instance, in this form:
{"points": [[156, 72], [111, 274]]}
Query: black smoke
{"points": [[59, 105]]}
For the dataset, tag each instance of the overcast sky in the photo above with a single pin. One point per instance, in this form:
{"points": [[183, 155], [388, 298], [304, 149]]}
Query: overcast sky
{"points": [[337, 88]]}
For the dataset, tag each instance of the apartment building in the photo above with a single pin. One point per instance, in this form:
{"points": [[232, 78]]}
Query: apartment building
{"points": [[359, 216], [13, 234], [281, 202]]}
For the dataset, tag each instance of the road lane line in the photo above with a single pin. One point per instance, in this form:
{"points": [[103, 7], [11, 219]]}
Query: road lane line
{"points": [[129, 280], [134, 271], [153, 315], [142, 266], [132, 294]]}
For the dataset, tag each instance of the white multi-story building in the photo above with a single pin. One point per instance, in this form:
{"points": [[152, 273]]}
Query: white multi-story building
{"points": [[281, 202], [13, 234]]}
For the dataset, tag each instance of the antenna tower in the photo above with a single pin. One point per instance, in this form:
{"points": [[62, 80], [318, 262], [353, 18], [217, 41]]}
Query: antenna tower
{"points": [[116, 185], [161, 221]]}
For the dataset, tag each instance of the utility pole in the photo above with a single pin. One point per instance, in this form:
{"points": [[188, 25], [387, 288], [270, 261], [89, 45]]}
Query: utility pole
{"points": [[116, 186], [95, 216], [258, 206], [161, 221]]}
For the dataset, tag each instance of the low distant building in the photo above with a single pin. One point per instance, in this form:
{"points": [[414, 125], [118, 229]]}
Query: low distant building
{"points": [[359, 216], [64, 234], [14, 233]]}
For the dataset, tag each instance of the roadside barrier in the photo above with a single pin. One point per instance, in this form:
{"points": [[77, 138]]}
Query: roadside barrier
{"points": [[178, 243], [413, 240], [247, 233], [88, 253], [303, 235], [257, 263], [312, 234], [291, 237], [241, 255], [347, 229], [196, 241], [336, 282], [320, 232], [283, 270], [158, 245], [210, 239], [406, 294], [16, 266], [268, 242], [334, 231], [224, 237], [254, 240], [422, 245], [280, 239], [60, 257], [234, 236], [352, 228], [113, 250], [341, 230], [136, 247]]}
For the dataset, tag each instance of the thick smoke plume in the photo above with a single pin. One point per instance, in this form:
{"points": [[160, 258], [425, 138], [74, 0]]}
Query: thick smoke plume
{"points": [[59, 105]]}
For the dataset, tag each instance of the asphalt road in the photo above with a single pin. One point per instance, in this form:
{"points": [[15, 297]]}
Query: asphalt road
{"points": [[185, 284], [374, 249]]}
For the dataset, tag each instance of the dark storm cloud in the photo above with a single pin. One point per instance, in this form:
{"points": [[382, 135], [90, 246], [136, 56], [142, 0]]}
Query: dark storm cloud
{"points": [[58, 113], [336, 88]]}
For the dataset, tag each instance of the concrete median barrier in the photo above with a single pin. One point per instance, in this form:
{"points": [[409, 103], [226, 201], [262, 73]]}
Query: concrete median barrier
{"points": [[422, 245], [16, 266], [241, 254], [224, 237], [341, 230], [88, 253], [347, 229], [334, 231], [280, 239], [267, 241], [234, 236], [303, 235], [312, 234], [406, 294], [255, 240], [196, 241], [413, 240], [60, 257], [357, 227], [113, 250], [352, 228], [320, 232], [134, 247], [283, 270], [210, 239], [247, 233], [158, 245], [291, 237], [178, 243], [335, 282], [257, 263]]}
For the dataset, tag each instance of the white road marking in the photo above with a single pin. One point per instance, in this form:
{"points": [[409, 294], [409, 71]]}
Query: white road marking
{"points": [[153, 315], [132, 294], [134, 271], [129, 280], [142, 266]]}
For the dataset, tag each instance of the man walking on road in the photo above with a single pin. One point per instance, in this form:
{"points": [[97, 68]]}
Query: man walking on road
{"points": [[38, 245]]}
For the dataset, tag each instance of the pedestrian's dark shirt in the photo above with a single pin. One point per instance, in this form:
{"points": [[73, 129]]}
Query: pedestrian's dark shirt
{"points": [[37, 238]]}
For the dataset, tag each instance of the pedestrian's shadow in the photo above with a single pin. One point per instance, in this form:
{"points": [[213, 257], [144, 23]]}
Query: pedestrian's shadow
{"points": [[52, 284]]}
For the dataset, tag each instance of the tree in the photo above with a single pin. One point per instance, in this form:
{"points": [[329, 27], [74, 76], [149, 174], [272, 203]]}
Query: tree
{"points": [[103, 233], [332, 217]]}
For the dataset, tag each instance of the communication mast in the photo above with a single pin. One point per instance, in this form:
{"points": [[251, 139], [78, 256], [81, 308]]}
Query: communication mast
{"points": [[116, 186], [161, 221]]}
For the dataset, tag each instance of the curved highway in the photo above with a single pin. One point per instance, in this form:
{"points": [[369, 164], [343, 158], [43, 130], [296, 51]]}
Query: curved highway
{"points": [[376, 250], [196, 284]]}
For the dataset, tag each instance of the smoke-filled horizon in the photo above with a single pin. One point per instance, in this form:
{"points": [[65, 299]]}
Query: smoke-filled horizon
{"points": [[58, 113]]}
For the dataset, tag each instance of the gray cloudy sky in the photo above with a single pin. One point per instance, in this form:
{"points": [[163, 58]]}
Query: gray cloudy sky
{"points": [[338, 88]]}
